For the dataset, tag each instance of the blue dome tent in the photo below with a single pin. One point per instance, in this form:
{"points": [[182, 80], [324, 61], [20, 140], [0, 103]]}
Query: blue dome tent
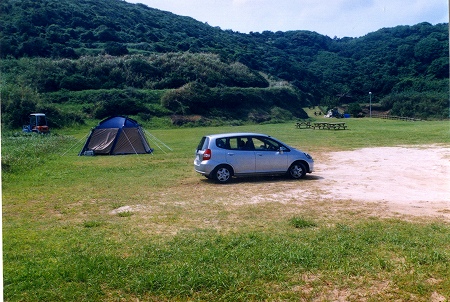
{"points": [[114, 136]]}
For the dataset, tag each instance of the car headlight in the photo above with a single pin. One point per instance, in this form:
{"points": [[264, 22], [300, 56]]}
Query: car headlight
{"points": [[308, 156]]}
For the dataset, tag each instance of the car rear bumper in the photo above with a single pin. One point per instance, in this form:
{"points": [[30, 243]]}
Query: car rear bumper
{"points": [[203, 167]]}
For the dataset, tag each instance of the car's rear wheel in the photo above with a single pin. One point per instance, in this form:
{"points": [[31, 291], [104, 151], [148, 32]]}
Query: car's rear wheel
{"points": [[222, 174], [297, 170]]}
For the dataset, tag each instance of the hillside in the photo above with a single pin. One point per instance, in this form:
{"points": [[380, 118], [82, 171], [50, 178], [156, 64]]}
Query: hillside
{"points": [[66, 47]]}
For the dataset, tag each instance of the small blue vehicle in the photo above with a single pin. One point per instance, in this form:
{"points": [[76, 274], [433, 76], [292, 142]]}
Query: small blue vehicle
{"points": [[37, 124]]}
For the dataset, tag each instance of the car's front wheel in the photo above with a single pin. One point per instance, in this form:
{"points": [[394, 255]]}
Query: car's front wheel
{"points": [[222, 174], [297, 170]]}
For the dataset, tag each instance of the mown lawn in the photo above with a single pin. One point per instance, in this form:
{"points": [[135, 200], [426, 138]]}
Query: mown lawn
{"points": [[147, 227]]}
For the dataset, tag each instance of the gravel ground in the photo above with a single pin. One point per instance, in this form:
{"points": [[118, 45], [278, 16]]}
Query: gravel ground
{"points": [[406, 180]]}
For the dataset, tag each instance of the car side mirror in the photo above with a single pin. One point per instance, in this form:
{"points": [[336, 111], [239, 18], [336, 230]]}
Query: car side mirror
{"points": [[282, 149]]}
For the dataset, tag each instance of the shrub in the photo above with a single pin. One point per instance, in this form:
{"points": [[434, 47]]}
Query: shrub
{"points": [[118, 104], [354, 109], [418, 104], [116, 49], [17, 103], [280, 114]]}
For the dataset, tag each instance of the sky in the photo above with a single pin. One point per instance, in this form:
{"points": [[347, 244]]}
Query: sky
{"points": [[334, 18]]}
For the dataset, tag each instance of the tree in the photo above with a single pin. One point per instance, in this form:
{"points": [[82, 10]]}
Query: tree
{"points": [[34, 47], [428, 49]]}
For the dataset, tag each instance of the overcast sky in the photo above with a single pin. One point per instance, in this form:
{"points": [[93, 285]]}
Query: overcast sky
{"points": [[341, 18]]}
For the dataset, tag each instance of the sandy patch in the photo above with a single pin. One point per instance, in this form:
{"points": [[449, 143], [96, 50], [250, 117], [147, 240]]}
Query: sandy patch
{"points": [[408, 180]]}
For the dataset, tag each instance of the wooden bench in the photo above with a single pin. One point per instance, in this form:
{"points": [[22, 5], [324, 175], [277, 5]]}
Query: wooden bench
{"points": [[299, 125]]}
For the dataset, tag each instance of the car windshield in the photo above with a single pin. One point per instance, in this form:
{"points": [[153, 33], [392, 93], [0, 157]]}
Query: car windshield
{"points": [[41, 121]]}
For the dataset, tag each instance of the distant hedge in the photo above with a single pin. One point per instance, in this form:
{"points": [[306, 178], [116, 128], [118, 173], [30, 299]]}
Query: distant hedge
{"points": [[232, 102]]}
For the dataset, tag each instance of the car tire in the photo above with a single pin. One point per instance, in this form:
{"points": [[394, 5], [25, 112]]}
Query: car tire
{"points": [[297, 170], [222, 174]]}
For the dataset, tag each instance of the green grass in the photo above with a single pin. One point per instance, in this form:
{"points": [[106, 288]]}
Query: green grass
{"points": [[183, 240], [300, 222]]}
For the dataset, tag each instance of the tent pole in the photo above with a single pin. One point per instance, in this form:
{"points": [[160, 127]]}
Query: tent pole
{"points": [[129, 142]]}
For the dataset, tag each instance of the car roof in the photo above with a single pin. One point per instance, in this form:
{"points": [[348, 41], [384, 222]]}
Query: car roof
{"points": [[236, 134]]}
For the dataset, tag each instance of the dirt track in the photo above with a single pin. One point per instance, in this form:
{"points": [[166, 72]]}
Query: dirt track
{"points": [[405, 180]]}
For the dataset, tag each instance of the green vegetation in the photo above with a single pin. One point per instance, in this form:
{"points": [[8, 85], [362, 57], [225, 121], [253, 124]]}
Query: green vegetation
{"points": [[178, 238], [77, 60], [148, 227], [300, 223]]}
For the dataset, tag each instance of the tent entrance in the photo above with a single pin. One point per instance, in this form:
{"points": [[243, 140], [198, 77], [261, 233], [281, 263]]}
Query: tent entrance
{"points": [[102, 140]]}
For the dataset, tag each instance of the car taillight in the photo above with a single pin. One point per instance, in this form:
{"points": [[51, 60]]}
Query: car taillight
{"points": [[207, 154]]}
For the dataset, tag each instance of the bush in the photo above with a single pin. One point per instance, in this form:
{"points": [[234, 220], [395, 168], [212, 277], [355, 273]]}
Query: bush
{"points": [[17, 103], [191, 98], [116, 49], [280, 114], [253, 104], [258, 116], [354, 109], [118, 104], [420, 105]]}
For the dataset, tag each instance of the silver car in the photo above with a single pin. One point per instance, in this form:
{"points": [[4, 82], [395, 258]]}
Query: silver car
{"points": [[222, 156]]}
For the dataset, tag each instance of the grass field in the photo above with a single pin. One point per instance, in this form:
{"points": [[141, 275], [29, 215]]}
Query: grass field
{"points": [[148, 228]]}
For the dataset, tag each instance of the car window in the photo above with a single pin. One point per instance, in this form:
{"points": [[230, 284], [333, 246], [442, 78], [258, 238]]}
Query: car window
{"points": [[248, 143], [266, 144], [222, 143], [245, 143], [203, 143], [238, 143], [233, 143]]}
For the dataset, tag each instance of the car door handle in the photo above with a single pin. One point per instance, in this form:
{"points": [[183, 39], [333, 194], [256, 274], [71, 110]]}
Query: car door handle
{"points": [[230, 153], [259, 154]]}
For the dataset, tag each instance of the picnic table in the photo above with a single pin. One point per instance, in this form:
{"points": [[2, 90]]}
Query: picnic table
{"points": [[305, 124], [335, 126], [321, 125]]}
